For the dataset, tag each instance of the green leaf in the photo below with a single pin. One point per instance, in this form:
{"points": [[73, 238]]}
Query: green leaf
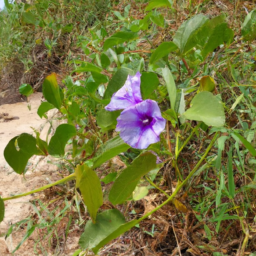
{"points": [[109, 178], [217, 32], [1, 209], [208, 232], [117, 81], [139, 193], [157, 4], [207, 83], [181, 106], [119, 38], [87, 66], [158, 19], [221, 187], [246, 143], [19, 150], [171, 116], [203, 34], [238, 100], [207, 108], [105, 61], [74, 109], [63, 133], [110, 149], [51, 91], [92, 87], [187, 32], [44, 108], [118, 15], [89, 185], [249, 26], [67, 29], [231, 182], [106, 222], [99, 78], [149, 82], [107, 119], [116, 233], [127, 181], [171, 87], [162, 50], [221, 142], [29, 18], [26, 89]]}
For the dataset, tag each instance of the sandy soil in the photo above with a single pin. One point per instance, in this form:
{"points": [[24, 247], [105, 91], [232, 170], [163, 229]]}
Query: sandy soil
{"points": [[23, 120], [16, 119]]}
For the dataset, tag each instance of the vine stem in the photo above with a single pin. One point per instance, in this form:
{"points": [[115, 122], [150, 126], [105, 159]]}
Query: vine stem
{"points": [[183, 183], [188, 139], [66, 179], [155, 186]]}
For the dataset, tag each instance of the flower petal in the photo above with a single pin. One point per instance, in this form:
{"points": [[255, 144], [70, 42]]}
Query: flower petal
{"points": [[150, 108], [147, 137], [128, 95], [159, 125], [134, 131]]}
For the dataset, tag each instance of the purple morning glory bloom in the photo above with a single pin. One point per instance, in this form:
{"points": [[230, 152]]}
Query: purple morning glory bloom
{"points": [[128, 95], [141, 124]]}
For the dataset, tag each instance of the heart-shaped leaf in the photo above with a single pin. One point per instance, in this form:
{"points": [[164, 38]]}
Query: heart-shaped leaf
{"points": [[106, 222], [19, 150], [207, 108], [186, 35]]}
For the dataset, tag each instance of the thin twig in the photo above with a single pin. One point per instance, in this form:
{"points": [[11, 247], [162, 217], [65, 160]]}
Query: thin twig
{"points": [[178, 245], [187, 67]]}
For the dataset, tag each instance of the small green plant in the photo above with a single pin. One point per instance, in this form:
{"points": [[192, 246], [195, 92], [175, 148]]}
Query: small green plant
{"points": [[137, 104]]}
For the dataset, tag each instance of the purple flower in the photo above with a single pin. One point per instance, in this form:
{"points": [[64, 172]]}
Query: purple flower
{"points": [[127, 96], [140, 125]]}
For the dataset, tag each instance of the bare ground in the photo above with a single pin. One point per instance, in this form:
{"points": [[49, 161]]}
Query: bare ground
{"points": [[14, 120]]}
